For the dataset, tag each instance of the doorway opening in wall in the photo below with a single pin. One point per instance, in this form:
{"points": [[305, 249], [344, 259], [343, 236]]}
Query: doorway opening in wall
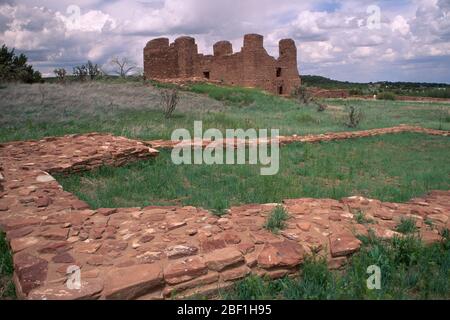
{"points": [[280, 90], [206, 74], [278, 72]]}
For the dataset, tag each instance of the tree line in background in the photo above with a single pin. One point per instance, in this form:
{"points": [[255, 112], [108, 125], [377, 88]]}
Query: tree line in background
{"points": [[14, 68], [385, 90]]}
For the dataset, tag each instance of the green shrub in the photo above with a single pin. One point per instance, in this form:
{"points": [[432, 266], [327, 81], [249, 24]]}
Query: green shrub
{"points": [[354, 116], [407, 226], [15, 68]]}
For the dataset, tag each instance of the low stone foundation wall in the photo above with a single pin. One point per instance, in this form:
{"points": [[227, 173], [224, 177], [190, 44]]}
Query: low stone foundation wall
{"points": [[157, 252]]}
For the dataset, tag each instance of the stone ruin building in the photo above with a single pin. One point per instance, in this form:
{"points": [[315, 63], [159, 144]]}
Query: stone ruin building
{"points": [[251, 67]]}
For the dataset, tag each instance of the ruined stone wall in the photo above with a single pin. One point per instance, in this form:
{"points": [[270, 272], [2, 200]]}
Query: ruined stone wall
{"points": [[251, 67]]}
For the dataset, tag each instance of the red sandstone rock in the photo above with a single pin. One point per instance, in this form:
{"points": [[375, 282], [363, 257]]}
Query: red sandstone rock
{"points": [[79, 205], [18, 223], [223, 258], [132, 282], [53, 247], [55, 234], [181, 251], [63, 257], [304, 226], [235, 273], [209, 278], [231, 237], [280, 254], [212, 244], [383, 214], [43, 202], [18, 233], [106, 211], [89, 290], [176, 225], [182, 271], [430, 237], [31, 271], [343, 244], [19, 244], [89, 248]]}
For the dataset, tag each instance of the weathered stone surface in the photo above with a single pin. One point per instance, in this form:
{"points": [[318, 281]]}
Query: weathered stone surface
{"points": [[44, 178], [43, 202], [209, 278], [31, 271], [63, 257], [430, 237], [106, 211], [180, 251], [235, 273], [209, 245], [89, 247], [438, 218], [280, 254], [56, 234], [132, 282], [185, 270], [383, 214], [20, 244], [79, 205], [223, 258], [19, 233], [343, 244], [53, 247], [18, 223], [175, 225], [304, 226], [89, 290], [231, 237]]}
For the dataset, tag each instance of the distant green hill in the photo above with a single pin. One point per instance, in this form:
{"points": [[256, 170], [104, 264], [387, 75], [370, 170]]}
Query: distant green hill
{"points": [[436, 90]]}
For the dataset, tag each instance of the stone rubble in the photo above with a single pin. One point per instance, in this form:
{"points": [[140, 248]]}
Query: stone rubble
{"points": [[163, 252]]}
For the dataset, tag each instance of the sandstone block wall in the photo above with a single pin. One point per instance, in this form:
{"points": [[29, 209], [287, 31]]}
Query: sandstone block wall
{"points": [[251, 67]]}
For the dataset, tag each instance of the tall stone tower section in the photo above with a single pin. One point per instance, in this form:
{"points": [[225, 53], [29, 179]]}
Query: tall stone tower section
{"points": [[257, 65], [287, 70], [187, 52]]}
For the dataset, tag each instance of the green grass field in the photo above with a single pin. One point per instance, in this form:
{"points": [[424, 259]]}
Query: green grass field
{"points": [[390, 168], [133, 110]]}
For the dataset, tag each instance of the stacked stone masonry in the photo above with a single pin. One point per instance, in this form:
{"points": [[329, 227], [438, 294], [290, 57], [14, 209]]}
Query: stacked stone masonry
{"points": [[156, 252], [251, 67]]}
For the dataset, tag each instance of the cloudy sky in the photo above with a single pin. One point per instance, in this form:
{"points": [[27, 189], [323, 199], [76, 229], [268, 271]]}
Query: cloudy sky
{"points": [[354, 40]]}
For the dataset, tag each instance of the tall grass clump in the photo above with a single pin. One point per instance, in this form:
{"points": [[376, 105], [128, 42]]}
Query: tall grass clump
{"points": [[277, 219], [6, 270]]}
